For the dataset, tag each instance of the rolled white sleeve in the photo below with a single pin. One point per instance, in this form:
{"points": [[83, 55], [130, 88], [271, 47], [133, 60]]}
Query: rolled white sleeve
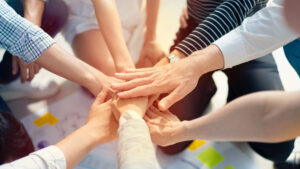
{"points": [[48, 158], [258, 35], [135, 149]]}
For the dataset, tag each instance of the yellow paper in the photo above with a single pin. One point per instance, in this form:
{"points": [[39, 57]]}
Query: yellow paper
{"points": [[196, 144], [47, 118]]}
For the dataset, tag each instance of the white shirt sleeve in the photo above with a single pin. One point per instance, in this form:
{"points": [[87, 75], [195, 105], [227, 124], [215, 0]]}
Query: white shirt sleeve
{"points": [[135, 149], [258, 35], [48, 158]]}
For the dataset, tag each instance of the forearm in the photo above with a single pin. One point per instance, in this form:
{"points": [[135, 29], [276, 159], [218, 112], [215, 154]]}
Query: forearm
{"points": [[75, 148], [60, 62], [151, 21], [261, 117], [33, 11], [110, 24]]}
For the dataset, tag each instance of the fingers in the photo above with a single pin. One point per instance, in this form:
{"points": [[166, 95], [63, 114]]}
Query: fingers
{"points": [[151, 99], [101, 96], [36, 68], [132, 75], [23, 70], [169, 100], [131, 84], [145, 90], [139, 70], [31, 71], [15, 65]]}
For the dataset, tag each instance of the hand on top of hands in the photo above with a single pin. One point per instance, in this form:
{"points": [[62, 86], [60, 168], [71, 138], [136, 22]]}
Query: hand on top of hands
{"points": [[178, 79]]}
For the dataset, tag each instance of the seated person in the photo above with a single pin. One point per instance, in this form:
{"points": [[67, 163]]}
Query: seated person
{"points": [[50, 16], [109, 36]]}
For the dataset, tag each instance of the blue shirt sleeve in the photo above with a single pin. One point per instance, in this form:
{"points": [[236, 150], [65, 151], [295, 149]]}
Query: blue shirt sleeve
{"points": [[20, 37]]}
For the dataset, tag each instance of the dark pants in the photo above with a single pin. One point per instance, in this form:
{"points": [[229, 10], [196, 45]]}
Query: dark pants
{"points": [[258, 75], [54, 17]]}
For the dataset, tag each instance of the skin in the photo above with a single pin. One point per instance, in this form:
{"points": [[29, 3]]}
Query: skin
{"points": [[100, 128], [151, 52], [69, 66], [33, 11], [173, 78], [258, 117]]}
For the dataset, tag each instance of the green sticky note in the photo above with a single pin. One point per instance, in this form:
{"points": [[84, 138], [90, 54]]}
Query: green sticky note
{"points": [[210, 157], [229, 167]]}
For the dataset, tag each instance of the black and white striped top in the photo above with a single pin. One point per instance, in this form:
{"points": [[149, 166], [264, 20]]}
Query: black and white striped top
{"points": [[215, 18]]}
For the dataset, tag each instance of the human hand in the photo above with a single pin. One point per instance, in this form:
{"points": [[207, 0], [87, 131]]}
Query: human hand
{"points": [[165, 128], [119, 106], [101, 83], [178, 79], [184, 17], [102, 121], [151, 53], [27, 71]]}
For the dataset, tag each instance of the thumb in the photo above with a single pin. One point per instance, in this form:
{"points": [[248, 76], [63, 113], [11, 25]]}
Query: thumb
{"points": [[169, 100], [101, 96]]}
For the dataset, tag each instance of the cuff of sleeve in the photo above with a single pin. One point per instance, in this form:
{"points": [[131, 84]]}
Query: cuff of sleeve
{"points": [[34, 42], [54, 157], [232, 48], [128, 115]]}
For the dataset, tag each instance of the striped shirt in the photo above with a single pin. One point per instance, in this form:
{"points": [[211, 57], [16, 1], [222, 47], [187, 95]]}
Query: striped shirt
{"points": [[215, 18], [20, 37]]}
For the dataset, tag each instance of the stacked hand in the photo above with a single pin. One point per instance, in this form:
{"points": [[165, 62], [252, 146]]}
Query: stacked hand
{"points": [[102, 121], [165, 128], [178, 79]]}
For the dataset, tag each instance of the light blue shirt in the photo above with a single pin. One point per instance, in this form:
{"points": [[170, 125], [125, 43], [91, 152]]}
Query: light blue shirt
{"points": [[20, 37]]}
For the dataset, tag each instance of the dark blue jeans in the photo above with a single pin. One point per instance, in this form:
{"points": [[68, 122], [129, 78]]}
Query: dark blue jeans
{"points": [[54, 17], [257, 75], [292, 53]]}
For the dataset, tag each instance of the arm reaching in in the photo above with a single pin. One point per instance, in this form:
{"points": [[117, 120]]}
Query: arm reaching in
{"points": [[110, 24], [100, 128], [260, 117], [151, 52]]}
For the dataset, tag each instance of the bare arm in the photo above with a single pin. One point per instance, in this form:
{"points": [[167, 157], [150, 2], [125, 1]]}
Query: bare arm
{"points": [[60, 62], [109, 22], [100, 128], [262, 117]]}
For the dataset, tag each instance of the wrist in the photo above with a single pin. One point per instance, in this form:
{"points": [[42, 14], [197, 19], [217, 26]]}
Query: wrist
{"points": [[178, 53], [181, 132], [207, 60]]}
